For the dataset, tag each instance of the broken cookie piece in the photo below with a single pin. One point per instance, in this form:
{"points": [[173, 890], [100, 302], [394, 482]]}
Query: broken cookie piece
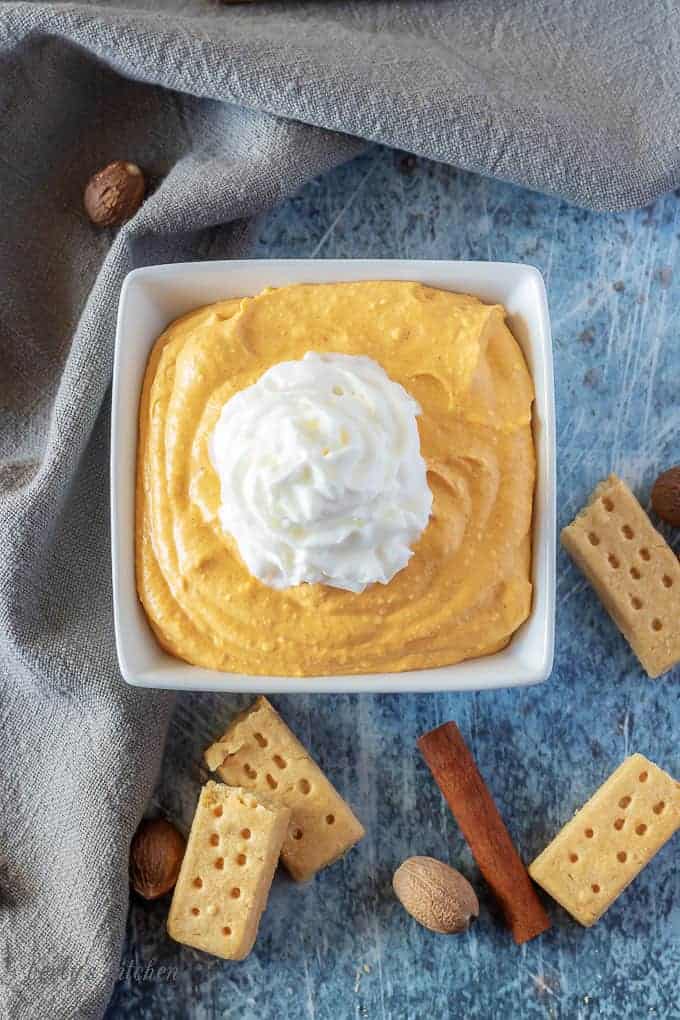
{"points": [[258, 751]]}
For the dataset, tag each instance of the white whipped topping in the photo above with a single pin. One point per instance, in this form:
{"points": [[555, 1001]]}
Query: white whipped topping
{"points": [[321, 475]]}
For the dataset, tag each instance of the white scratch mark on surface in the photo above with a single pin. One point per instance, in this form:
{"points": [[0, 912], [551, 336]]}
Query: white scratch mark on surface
{"points": [[309, 989], [657, 341], [403, 233], [544, 983], [369, 803], [348, 204], [613, 329], [580, 305], [562, 970], [574, 590], [633, 345], [626, 732], [541, 966], [473, 949], [541, 986], [487, 221], [670, 428], [553, 233], [569, 433]]}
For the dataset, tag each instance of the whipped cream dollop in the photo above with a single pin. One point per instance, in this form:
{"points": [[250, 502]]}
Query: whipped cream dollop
{"points": [[321, 475]]}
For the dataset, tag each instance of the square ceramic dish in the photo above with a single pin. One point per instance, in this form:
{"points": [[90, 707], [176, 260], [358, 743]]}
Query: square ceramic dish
{"points": [[152, 297]]}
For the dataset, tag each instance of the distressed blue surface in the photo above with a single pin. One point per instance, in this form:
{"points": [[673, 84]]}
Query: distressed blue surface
{"points": [[341, 947]]}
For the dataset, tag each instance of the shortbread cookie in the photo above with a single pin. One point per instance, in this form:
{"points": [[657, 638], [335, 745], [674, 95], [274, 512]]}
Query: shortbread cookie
{"points": [[258, 751], [227, 870], [610, 840], [633, 570]]}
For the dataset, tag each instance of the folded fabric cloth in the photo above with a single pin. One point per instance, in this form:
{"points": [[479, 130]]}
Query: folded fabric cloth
{"points": [[230, 108]]}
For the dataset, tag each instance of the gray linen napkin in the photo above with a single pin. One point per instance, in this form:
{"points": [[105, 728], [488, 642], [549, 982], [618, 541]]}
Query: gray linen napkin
{"points": [[219, 105]]}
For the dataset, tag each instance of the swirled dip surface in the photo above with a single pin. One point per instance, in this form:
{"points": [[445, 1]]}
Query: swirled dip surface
{"points": [[465, 589], [321, 475]]}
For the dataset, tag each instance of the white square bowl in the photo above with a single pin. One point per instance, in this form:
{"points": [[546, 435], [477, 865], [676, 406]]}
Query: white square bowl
{"points": [[152, 297]]}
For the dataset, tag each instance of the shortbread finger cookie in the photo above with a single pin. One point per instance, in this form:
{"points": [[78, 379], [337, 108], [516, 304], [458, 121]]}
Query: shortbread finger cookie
{"points": [[227, 871], [258, 751], [610, 840], [633, 570]]}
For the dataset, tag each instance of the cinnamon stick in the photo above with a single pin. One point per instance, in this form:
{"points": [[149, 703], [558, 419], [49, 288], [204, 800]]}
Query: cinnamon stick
{"points": [[466, 793]]}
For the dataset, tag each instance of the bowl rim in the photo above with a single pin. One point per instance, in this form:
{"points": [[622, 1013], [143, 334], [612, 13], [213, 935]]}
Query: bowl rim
{"points": [[502, 669]]}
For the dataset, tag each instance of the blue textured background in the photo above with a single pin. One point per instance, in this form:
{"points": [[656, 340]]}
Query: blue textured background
{"points": [[342, 946]]}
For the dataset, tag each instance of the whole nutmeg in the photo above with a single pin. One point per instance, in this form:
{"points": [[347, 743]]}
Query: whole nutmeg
{"points": [[666, 496], [155, 857], [437, 896], [114, 194]]}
